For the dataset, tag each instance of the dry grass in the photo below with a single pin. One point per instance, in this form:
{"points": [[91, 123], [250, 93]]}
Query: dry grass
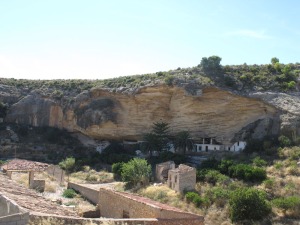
{"points": [[21, 178], [91, 176], [168, 196]]}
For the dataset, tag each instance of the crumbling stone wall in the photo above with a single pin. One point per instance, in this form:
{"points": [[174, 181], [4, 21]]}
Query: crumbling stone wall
{"points": [[182, 178], [114, 204], [161, 172]]}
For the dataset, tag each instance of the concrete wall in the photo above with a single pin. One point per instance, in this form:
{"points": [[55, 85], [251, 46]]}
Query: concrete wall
{"points": [[89, 193], [115, 205], [11, 213]]}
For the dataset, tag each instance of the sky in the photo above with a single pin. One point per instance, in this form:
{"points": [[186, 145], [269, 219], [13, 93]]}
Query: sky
{"points": [[99, 39]]}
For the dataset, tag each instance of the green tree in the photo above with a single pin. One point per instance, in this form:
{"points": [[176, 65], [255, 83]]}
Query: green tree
{"points": [[274, 60], [183, 141], [68, 165], [136, 171], [158, 138], [211, 64], [248, 204]]}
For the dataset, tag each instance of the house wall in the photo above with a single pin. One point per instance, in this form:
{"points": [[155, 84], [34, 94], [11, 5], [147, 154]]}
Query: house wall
{"points": [[238, 146], [162, 167], [187, 181], [208, 147], [182, 181], [89, 193], [113, 205]]}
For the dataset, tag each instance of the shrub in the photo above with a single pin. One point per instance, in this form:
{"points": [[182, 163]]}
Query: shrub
{"points": [[248, 204], [257, 161], [247, 172], [287, 203], [218, 195], [68, 165], [269, 183], [169, 80], [91, 178], [117, 168], [196, 199], [136, 171], [190, 196], [224, 166], [214, 176], [69, 193], [284, 141]]}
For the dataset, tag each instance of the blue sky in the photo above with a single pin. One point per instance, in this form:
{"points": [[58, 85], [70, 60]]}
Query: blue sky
{"points": [[97, 39]]}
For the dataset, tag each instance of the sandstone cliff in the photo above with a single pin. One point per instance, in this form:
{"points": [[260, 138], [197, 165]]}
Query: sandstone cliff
{"points": [[102, 114]]}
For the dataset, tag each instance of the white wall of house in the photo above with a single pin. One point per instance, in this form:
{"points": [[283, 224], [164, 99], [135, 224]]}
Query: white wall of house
{"points": [[207, 147], [238, 146]]}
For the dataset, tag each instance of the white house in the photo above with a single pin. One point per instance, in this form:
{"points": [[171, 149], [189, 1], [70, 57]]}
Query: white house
{"points": [[237, 146], [205, 147]]}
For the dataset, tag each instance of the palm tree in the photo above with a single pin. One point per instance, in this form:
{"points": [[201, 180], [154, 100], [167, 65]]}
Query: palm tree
{"points": [[183, 141]]}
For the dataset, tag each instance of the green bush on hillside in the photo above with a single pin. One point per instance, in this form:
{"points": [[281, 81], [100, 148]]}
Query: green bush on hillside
{"points": [[248, 204]]}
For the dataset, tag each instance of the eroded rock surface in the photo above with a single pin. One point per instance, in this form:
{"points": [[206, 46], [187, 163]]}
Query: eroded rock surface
{"points": [[102, 114]]}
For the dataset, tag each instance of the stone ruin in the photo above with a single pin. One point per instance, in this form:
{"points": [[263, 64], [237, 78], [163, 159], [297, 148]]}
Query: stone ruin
{"points": [[179, 179]]}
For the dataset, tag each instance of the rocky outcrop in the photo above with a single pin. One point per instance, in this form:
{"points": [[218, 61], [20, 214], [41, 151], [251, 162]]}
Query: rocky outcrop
{"points": [[102, 114]]}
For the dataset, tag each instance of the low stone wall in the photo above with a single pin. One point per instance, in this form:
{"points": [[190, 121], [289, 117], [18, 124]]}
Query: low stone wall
{"points": [[11, 213], [38, 219], [89, 193]]}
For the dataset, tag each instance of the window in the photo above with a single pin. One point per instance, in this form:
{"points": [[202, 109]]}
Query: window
{"points": [[176, 179]]}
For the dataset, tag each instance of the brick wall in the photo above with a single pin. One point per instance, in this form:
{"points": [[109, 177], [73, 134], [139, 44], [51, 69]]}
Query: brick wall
{"points": [[115, 205], [89, 193]]}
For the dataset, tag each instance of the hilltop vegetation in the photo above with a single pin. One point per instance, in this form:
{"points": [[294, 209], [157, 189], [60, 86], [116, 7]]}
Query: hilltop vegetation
{"points": [[274, 76]]}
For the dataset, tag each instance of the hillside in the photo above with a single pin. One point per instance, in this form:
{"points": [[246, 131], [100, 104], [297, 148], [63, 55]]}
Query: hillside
{"points": [[228, 103]]}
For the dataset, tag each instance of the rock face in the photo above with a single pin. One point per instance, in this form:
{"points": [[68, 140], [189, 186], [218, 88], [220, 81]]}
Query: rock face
{"points": [[102, 114]]}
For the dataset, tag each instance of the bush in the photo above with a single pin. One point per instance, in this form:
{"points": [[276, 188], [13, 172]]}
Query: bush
{"points": [[247, 173], [218, 195], [214, 176], [248, 204], [69, 193], [91, 178], [189, 196], [288, 203], [284, 141], [269, 183], [117, 168], [196, 199], [257, 161], [136, 171], [68, 165]]}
